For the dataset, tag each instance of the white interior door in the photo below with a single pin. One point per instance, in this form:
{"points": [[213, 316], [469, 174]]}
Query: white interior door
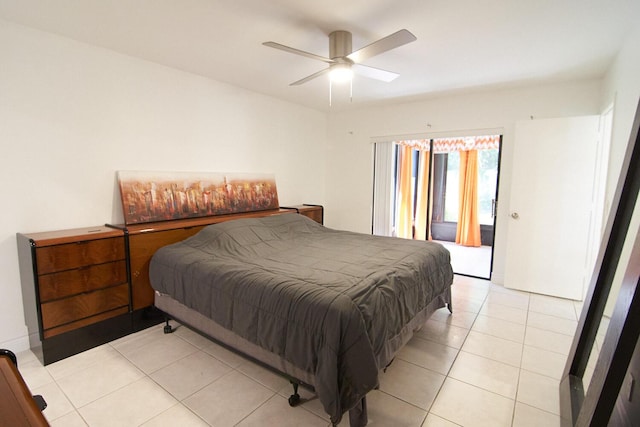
{"points": [[551, 205]]}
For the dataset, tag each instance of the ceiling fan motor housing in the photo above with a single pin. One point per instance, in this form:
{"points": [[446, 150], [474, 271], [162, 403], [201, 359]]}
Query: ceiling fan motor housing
{"points": [[340, 45]]}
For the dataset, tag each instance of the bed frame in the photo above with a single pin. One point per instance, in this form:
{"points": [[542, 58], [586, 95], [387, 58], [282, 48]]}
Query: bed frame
{"points": [[205, 326]]}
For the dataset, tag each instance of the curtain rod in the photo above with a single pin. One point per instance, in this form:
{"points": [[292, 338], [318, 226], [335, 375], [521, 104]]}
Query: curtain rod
{"points": [[442, 134]]}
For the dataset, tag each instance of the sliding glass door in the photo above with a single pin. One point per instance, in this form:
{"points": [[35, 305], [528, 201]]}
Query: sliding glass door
{"points": [[443, 190], [465, 188]]}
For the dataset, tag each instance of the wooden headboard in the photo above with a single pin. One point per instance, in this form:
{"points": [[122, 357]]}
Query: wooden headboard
{"points": [[143, 240], [161, 208]]}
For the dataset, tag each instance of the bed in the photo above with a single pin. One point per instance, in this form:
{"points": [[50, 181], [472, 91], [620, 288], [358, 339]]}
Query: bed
{"points": [[328, 308]]}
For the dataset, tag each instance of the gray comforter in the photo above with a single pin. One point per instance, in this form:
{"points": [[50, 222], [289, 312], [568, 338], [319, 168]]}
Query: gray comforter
{"points": [[332, 303]]}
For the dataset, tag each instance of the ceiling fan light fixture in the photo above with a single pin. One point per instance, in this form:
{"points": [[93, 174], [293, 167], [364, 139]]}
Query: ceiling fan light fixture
{"points": [[340, 73], [342, 58]]}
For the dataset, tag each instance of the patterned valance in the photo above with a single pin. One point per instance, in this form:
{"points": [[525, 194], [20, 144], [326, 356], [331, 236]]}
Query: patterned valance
{"points": [[418, 144], [450, 145]]}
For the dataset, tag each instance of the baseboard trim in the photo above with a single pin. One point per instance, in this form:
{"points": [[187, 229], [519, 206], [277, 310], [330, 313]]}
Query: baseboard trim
{"points": [[498, 279], [16, 345]]}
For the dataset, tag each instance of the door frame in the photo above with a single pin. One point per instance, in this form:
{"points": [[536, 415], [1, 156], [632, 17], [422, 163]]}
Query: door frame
{"points": [[495, 207], [384, 167]]}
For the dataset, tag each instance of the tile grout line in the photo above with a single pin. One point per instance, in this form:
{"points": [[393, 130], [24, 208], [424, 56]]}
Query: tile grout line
{"points": [[454, 361], [524, 339]]}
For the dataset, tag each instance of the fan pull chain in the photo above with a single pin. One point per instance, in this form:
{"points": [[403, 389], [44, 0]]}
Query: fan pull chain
{"points": [[351, 90]]}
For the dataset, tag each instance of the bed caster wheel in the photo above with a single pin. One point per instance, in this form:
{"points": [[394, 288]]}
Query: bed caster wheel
{"points": [[294, 399], [167, 328]]}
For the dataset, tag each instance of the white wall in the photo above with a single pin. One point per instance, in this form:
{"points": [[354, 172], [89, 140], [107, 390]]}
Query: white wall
{"points": [[71, 115], [350, 150], [622, 86]]}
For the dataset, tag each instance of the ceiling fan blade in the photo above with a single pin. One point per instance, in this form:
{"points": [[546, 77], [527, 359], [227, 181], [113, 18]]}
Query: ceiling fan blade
{"points": [[374, 73], [298, 52], [312, 76], [392, 41]]}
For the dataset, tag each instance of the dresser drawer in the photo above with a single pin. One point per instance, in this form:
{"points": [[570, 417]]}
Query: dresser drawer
{"points": [[84, 279], [55, 258], [66, 310]]}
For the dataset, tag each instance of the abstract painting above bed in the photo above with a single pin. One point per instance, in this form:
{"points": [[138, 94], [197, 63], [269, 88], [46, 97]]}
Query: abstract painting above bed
{"points": [[337, 305], [161, 196]]}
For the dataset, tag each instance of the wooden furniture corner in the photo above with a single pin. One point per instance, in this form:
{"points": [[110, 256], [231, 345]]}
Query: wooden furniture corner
{"points": [[315, 212], [18, 408]]}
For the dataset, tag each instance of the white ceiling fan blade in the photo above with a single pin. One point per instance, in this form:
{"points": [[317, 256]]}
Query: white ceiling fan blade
{"points": [[312, 76], [392, 41], [298, 52], [374, 73]]}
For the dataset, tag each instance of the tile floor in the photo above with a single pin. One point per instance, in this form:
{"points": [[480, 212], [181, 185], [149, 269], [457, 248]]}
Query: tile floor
{"points": [[495, 362]]}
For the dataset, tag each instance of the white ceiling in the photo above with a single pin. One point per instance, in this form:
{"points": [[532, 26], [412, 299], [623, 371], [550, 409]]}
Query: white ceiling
{"points": [[462, 45]]}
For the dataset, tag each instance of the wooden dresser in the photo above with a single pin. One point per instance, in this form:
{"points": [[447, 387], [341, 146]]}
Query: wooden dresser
{"points": [[84, 287], [75, 289]]}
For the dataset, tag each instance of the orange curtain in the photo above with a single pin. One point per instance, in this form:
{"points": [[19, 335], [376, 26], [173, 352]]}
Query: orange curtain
{"points": [[422, 197], [468, 232], [405, 202]]}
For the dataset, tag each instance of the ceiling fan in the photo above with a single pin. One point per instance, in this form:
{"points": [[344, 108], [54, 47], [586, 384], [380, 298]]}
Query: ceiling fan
{"points": [[343, 61]]}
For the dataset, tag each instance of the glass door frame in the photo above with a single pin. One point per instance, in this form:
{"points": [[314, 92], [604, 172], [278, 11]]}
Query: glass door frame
{"points": [[495, 206]]}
